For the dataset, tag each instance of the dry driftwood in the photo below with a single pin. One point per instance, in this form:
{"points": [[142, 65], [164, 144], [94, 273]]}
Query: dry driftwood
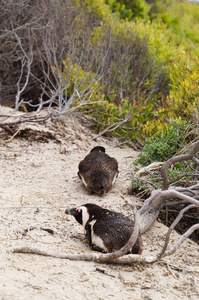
{"points": [[115, 257], [144, 218]]}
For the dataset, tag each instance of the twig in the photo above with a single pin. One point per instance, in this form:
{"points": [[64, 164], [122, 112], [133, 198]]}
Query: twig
{"points": [[182, 239], [178, 158], [7, 128], [182, 176], [111, 128], [12, 137], [175, 222]]}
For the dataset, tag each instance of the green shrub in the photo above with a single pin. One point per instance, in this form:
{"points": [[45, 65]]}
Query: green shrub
{"points": [[184, 94], [159, 148], [129, 9], [180, 18], [130, 117], [165, 144], [131, 69]]}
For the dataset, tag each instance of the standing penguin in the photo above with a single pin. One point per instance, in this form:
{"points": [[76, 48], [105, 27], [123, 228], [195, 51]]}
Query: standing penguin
{"points": [[107, 231], [98, 171]]}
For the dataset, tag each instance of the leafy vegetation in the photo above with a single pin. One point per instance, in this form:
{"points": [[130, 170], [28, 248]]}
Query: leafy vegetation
{"points": [[134, 62], [171, 43], [166, 143], [159, 148], [129, 9]]}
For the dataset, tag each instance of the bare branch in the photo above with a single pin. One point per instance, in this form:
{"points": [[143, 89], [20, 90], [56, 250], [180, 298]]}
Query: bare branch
{"points": [[175, 222], [152, 166], [172, 194], [173, 160], [100, 258], [182, 239], [109, 257], [152, 206], [183, 176], [111, 127]]}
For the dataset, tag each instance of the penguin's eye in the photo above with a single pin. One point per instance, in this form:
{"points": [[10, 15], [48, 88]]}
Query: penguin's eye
{"points": [[78, 209]]}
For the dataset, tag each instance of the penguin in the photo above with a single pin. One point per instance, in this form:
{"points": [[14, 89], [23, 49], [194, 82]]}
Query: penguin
{"points": [[98, 171], [106, 231]]}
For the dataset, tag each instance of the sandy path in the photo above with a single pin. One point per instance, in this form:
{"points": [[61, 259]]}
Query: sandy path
{"points": [[38, 181]]}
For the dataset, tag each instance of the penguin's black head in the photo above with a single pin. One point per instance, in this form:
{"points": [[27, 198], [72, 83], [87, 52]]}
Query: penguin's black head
{"points": [[80, 213], [76, 212], [98, 148]]}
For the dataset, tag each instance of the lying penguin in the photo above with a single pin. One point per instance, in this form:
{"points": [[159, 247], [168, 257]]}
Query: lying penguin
{"points": [[107, 231], [98, 171]]}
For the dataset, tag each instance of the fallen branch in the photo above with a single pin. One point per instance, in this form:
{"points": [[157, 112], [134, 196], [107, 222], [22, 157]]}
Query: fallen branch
{"points": [[107, 258], [152, 166], [182, 239], [152, 206], [175, 222], [100, 258]]}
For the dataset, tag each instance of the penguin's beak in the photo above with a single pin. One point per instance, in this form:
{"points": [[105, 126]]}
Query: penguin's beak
{"points": [[72, 211], [67, 211]]}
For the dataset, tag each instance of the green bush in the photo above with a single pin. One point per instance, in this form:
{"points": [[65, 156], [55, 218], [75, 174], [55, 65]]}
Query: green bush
{"points": [[131, 69], [165, 144], [184, 95], [180, 18], [159, 148], [129, 9]]}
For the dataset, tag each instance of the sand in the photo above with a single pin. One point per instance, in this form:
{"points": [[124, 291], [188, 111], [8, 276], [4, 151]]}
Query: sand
{"points": [[38, 181]]}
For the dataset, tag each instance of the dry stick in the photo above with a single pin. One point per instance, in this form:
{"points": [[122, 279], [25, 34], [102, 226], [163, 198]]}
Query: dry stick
{"points": [[111, 128], [152, 206], [196, 160], [190, 145], [103, 258], [150, 211], [170, 194], [175, 222], [7, 128], [13, 136], [33, 119], [36, 118], [152, 166], [182, 176], [182, 239], [109, 257], [100, 258], [178, 158], [173, 203]]}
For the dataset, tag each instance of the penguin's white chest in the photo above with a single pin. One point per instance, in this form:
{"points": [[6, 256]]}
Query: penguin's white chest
{"points": [[96, 240]]}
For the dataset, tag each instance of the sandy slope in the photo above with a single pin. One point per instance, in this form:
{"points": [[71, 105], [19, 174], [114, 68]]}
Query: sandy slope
{"points": [[38, 181]]}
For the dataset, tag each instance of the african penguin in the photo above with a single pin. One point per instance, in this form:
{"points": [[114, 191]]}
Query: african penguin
{"points": [[98, 171], [107, 231]]}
